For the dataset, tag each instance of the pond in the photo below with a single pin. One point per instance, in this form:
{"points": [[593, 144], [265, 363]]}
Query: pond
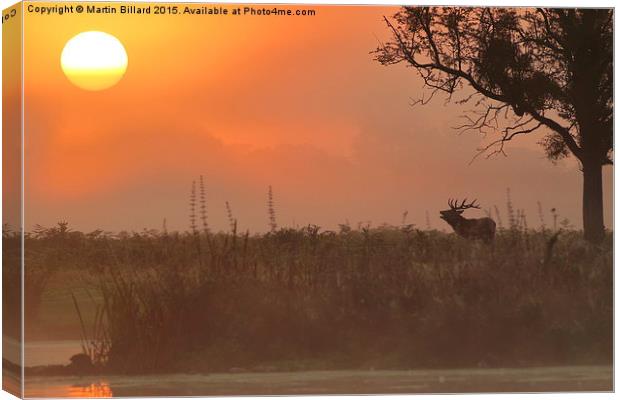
{"points": [[564, 378], [56, 352], [584, 378]]}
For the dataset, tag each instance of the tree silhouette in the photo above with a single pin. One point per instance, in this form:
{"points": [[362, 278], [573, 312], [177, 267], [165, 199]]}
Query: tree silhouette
{"points": [[524, 71]]}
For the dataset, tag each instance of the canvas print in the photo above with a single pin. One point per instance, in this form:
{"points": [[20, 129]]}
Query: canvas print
{"points": [[255, 199]]}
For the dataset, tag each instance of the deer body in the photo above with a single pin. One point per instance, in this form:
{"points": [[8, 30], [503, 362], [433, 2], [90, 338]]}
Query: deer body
{"points": [[475, 228]]}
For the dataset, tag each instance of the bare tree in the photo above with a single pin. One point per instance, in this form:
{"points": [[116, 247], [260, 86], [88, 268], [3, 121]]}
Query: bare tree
{"points": [[524, 71]]}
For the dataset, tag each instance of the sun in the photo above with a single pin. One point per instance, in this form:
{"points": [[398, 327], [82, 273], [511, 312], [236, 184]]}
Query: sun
{"points": [[94, 60]]}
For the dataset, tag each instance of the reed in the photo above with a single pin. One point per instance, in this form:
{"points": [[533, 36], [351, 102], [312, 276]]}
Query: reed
{"points": [[370, 297], [390, 297], [271, 211]]}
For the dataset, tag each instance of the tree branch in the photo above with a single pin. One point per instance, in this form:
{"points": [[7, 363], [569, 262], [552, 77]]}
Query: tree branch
{"points": [[454, 74]]}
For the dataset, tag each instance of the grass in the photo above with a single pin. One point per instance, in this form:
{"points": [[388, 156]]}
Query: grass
{"points": [[388, 297]]}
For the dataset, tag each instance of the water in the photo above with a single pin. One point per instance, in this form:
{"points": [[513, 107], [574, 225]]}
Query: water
{"points": [[588, 378], [575, 378], [37, 353], [56, 352]]}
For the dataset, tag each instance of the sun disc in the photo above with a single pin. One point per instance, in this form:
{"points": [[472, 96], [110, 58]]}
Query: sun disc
{"points": [[94, 60]]}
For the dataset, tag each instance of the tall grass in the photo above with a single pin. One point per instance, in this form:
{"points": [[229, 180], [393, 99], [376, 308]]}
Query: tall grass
{"points": [[271, 211], [385, 297], [388, 297]]}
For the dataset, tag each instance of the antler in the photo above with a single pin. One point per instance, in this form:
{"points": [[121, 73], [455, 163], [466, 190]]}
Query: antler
{"points": [[454, 204]]}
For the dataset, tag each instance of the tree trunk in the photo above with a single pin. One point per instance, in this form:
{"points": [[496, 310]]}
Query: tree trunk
{"points": [[593, 228]]}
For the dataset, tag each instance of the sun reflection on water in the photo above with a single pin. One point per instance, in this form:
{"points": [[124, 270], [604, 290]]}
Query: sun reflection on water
{"points": [[100, 389]]}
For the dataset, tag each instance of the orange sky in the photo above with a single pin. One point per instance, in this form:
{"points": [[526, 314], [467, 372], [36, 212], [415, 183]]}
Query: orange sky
{"points": [[292, 102], [11, 119]]}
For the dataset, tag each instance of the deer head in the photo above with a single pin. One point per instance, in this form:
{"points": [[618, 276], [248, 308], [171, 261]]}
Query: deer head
{"points": [[456, 209]]}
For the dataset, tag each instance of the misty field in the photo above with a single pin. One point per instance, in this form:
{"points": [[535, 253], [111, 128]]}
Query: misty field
{"points": [[303, 299]]}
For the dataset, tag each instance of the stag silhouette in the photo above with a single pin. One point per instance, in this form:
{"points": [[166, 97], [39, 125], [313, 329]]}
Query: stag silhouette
{"points": [[475, 228]]}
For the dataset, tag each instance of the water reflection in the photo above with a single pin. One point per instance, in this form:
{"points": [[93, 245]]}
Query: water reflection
{"points": [[535, 379], [99, 389]]}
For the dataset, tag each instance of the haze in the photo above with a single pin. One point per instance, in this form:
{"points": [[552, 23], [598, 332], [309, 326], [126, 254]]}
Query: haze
{"points": [[293, 102]]}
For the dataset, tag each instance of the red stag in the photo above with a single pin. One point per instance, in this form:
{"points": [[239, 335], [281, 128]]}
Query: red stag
{"points": [[475, 228]]}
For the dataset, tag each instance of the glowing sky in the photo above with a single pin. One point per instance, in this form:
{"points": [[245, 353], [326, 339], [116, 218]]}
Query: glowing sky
{"points": [[293, 102]]}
